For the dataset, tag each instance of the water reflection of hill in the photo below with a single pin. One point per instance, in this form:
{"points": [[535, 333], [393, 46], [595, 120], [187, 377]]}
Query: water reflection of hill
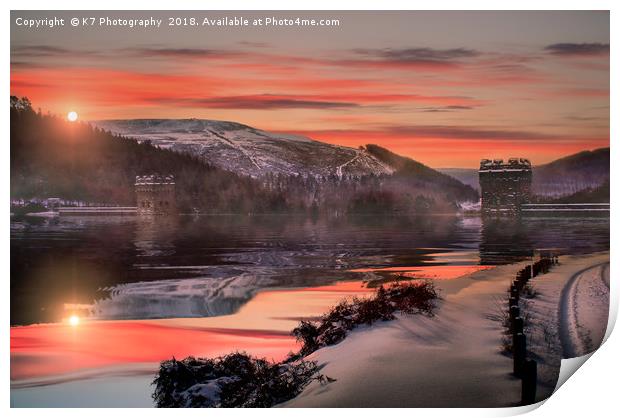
{"points": [[196, 297], [205, 265]]}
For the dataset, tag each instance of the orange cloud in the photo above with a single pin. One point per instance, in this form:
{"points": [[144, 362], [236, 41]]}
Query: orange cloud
{"points": [[400, 98]]}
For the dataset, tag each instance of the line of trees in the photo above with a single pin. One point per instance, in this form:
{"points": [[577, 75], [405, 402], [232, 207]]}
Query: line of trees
{"points": [[51, 157]]}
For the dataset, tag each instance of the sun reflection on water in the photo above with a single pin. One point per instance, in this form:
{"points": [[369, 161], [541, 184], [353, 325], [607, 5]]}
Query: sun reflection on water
{"points": [[74, 320]]}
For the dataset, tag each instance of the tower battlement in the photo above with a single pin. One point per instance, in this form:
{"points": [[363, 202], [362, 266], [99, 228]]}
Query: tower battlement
{"points": [[155, 194], [505, 186]]}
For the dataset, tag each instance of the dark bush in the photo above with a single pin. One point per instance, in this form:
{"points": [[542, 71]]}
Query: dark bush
{"points": [[232, 381], [307, 333], [239, 380], [409, 298]]}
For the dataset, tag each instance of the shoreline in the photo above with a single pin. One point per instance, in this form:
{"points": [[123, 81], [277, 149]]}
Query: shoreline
{"points": [[412, 361]]}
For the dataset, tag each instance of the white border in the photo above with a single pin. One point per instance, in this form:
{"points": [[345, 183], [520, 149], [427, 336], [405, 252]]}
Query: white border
{"points": [[592, 392], [313, 5]]}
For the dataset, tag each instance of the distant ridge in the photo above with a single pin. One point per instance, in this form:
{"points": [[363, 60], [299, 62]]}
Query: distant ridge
{"points": [[416, 171], [562, 177], [568, 175]]}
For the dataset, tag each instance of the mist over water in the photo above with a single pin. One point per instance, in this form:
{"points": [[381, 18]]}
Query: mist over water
{"points": [[132, 268]]}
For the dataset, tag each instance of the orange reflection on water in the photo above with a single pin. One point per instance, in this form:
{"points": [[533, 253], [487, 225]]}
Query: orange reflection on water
{"points": [[261, 327], [49, 349], [352, 288], [428, 272]]}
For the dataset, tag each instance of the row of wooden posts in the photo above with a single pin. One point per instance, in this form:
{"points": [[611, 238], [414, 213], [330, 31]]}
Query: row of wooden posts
{"points": [[523, 367]]}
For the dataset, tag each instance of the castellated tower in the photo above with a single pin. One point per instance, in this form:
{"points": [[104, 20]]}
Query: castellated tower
{"points": [[505, 187], [155, 195]]}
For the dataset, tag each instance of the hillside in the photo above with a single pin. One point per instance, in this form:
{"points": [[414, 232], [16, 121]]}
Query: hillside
{"points": [[599, 194], [51, 157], [409, 170], [562, 177], [468, 176], [568, 175], [249, 151]]}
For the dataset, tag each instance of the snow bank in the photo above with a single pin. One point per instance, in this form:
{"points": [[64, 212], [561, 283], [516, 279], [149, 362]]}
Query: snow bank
{"points": [[568, 315], [450, 360]]}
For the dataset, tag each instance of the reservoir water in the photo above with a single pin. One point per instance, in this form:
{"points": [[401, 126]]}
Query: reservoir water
{"points": [[104, 299]]}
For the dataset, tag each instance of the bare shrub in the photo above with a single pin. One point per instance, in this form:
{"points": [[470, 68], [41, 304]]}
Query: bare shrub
{"points": [[408, 298], [239, 380], [234, 380]]}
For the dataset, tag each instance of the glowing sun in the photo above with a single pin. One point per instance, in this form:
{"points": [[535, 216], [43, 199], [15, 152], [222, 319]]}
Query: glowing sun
{"points": [[72, 116], [74, 320]]}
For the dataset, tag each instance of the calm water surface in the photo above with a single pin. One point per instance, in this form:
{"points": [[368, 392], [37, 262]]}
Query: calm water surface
{"points": [[145, 290], [128, 268]]}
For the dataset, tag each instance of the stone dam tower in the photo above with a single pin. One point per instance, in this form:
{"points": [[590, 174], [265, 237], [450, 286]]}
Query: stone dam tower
{"points": [[504, 187], [155, 195]]}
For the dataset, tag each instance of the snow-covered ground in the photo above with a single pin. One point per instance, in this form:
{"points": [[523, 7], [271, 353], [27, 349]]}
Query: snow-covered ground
{"points": [[249, 151], [568, 316], [451, 360], [48, 214], [585, 309]]}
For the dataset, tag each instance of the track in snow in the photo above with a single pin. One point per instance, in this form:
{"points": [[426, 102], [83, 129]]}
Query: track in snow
{"points": [[584, 311], [341, 166], [235, 146]]}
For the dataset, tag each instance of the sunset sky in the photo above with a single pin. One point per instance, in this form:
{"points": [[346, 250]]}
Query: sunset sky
{"points": [[445, 88]]}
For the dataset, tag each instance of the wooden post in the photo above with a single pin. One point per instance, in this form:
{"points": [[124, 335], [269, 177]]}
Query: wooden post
{"points": [[514, 292], [519, 284], [512, 302], [518, 353], [514, 313], [517, 325], [528, 384]]}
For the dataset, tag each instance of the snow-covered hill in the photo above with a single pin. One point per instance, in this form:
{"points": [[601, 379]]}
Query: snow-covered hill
{"points": [[249, 151]]}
